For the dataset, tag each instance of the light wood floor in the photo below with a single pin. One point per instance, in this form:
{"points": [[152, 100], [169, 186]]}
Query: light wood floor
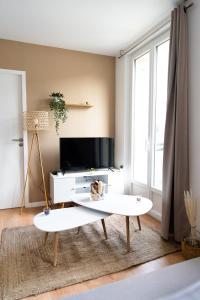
{"points": [[12, 218]]}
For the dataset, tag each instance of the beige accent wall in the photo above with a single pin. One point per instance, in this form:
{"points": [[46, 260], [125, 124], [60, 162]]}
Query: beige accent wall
{"points": [[80, 77]]}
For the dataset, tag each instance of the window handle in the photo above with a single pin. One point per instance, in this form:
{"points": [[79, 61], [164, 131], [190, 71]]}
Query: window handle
{"points": [[18, 140]]}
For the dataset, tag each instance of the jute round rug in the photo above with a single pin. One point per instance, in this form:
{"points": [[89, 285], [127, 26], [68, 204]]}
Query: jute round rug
{"points": [[26, 264]]}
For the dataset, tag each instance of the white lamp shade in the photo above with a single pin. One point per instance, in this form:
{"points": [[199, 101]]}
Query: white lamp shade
{"points": [[36, 120]]}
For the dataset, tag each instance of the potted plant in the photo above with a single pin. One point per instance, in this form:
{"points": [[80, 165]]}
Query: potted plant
{"points": [[57, 105], [191, 244]]}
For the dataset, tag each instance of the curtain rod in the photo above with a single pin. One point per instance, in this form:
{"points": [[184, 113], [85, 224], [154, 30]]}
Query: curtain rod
{"points": [[165, 23], [124, 52]]}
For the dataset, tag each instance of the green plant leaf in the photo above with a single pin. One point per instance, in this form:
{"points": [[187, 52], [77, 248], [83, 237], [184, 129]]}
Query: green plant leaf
{"points": [[57, 105]]}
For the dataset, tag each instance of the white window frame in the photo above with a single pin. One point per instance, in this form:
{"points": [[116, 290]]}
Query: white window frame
{"points": [[149, 47]]}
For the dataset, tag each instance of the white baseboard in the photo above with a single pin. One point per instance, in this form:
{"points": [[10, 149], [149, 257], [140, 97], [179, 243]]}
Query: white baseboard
{"points": [[155, 214], [35, 204]]}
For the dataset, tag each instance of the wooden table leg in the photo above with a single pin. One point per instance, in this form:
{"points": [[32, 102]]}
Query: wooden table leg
{"points": [[139, 224], [78, 230], [56, 236], [62, 205], [128, 233], [104, 228], [45, 237]]}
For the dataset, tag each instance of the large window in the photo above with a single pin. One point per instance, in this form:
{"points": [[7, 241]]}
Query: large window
{"points": [[150, 72]]}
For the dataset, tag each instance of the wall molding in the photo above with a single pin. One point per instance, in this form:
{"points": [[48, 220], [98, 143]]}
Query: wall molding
{"points": [[155, 214], [35, 204]]}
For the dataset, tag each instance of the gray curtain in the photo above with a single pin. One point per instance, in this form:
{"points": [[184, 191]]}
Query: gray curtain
{"points": [[175, 160]]}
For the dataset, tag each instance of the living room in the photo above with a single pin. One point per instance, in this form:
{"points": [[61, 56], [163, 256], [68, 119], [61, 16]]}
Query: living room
{"points": [[99, 122]]}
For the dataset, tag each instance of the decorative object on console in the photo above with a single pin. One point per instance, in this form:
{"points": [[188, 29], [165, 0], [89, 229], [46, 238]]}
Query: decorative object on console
{"points": [[59, 173], [35, 121], [57, 105], [191, 244], [97, 189]]}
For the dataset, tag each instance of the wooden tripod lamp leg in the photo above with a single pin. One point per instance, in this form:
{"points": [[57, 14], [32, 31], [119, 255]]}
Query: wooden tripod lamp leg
{"points": [[28, 168], [139, 224], [104, 228], [128, 233], [42, 170]]}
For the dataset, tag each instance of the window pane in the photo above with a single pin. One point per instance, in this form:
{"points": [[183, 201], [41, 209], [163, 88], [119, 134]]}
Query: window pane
{"points": [[141, 118], [160, 113]]}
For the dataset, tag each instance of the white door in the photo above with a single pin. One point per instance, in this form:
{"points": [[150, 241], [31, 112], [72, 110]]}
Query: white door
{"points": [[12, 104]]}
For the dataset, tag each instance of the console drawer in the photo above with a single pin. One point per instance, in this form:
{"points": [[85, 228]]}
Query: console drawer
{"points": [[62, 188]]}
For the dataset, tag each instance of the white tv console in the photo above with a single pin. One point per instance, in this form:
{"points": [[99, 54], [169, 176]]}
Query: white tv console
{"points": [[63, 186]]}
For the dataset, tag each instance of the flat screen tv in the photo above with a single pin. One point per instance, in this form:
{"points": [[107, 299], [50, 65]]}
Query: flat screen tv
{"points": [[86, 153]]}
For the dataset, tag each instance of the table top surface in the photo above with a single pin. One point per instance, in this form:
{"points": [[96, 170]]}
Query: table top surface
{"points": [[126, 205], [67, 218]]}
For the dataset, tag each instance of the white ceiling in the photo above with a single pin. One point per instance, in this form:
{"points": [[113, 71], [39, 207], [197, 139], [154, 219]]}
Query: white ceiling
{"points": [[96, 26]]}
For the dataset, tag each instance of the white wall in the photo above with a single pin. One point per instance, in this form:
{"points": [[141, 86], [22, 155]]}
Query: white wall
{"points": [[194, 100]]}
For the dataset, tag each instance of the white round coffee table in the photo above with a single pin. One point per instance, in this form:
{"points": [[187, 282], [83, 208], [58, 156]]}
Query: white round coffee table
{"points": [[125, 205], [67, 218], [90, 211]]}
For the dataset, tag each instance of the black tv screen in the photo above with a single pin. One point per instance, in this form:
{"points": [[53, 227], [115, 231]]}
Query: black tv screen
{"points": [[86, 153]]}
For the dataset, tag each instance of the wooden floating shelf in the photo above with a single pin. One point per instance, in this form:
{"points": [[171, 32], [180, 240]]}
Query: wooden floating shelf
{"points": [[79, 105]]}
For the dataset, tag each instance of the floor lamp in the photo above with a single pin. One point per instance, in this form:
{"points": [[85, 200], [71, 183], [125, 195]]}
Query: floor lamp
{"points": [[35, 121]]}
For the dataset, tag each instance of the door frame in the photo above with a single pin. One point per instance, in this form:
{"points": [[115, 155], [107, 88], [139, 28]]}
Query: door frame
{"points": [[22, 74]]}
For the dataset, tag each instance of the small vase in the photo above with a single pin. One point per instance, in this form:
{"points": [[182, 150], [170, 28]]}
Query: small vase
{"points": [[46, 211]]}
